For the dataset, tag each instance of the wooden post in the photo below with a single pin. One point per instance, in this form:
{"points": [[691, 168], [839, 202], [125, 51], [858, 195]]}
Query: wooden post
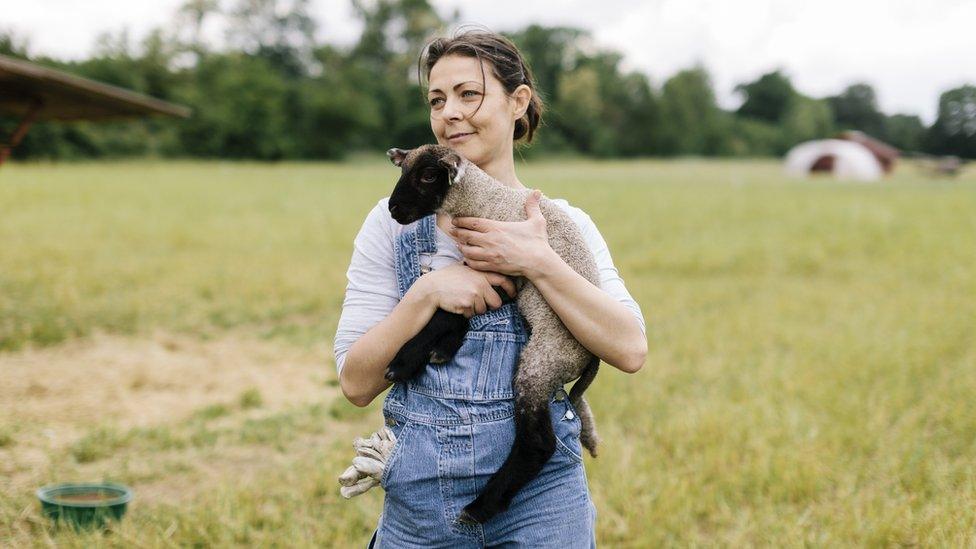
{"points": [[21, 131]]}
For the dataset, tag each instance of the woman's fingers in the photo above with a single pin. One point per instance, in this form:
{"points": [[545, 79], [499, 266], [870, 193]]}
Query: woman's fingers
{"points": [[480, 306], [478, 265], [492, 298], [474, 252], [507, 284], [470, 238]]}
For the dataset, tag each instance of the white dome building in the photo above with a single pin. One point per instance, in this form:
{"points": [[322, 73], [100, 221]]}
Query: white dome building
{"points": [[844, 159]]}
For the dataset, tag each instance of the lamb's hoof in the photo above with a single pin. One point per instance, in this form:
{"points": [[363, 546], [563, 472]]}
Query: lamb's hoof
{"points": [[397, 372], [467, 518], [437, 358]]}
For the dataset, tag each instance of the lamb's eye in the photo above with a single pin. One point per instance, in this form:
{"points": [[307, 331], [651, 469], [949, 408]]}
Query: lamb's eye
{"points": [[427, 178]]}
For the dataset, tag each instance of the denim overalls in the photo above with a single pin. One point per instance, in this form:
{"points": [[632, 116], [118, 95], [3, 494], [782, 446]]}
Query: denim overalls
{"points": [[454, 426]]}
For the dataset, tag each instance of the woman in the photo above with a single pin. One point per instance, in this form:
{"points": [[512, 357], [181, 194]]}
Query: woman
{"points": [[454, 422]]}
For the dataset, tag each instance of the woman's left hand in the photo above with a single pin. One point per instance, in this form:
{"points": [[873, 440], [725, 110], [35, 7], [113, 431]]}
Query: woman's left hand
{"points": [[514, 248]]}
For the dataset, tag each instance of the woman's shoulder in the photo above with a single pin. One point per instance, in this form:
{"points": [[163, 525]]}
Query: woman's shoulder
{"points": [[379, 219], [378, 228], [581, 218]]}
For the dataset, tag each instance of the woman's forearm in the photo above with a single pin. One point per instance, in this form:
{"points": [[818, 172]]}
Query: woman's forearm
{"points": [[602, 324], [361, 378]]}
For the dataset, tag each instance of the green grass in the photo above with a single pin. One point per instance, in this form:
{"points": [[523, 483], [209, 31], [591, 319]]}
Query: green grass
{"points": [[810, 380]]}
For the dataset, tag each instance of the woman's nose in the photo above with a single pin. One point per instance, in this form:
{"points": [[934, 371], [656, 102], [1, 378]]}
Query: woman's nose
{"points": [[452, 110]]}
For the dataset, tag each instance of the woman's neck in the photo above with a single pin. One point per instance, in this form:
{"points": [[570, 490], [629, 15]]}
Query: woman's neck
{"points": [[502, 168]]}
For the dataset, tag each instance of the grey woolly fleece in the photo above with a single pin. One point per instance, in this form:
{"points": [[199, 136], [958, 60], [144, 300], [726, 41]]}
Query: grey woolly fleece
{"points": [[552, 357]]}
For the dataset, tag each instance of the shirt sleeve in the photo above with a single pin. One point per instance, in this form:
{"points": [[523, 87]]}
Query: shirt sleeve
{"points": [[371, 289], [610, 280]]}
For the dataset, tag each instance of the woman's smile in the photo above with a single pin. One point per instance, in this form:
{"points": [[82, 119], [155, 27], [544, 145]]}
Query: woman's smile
{"points": [[460, 137]]}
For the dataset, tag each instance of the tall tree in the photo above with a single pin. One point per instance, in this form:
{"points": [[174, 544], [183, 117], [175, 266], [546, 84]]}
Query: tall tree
{"points": [[550, 52], [691, 122], [190, 18], [280, 31], [907, 132], [954, 131], [856, 108], [769, 98], [13, 45]]}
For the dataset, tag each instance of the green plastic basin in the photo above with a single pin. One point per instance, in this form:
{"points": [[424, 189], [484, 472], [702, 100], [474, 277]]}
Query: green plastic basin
{"points": [[84, 504]]}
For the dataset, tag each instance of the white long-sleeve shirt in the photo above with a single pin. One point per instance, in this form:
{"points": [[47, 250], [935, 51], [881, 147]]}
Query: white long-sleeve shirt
{"points": [[371, 292]]}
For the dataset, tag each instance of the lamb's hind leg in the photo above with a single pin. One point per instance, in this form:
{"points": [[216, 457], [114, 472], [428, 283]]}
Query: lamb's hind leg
{"points": [[534, 443], [588, 436]]}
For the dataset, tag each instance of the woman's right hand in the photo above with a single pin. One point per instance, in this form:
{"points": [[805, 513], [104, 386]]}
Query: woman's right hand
{"points": [[462, 290]]}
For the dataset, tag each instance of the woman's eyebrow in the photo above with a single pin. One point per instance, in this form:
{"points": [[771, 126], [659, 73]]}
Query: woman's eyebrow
{"points": [[456, 86]]}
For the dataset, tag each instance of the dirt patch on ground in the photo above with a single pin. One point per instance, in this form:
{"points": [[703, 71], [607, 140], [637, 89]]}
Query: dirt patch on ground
{"points": [[52, 397]]}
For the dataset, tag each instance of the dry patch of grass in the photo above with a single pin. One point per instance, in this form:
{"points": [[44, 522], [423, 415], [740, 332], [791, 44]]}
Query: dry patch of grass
{"points": [[87, 400]]}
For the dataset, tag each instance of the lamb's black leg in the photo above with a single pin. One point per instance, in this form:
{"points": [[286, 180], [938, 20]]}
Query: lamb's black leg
{"points": [[416, 353], [450, 341], [534, 444]]}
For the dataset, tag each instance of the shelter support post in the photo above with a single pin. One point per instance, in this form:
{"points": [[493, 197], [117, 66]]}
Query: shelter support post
{"points": [[20, 131]]}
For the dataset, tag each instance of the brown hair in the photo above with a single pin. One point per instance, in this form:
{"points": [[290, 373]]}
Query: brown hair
{"points": [[507, 64]]}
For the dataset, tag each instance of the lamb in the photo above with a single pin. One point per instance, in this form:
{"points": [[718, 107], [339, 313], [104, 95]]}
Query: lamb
{"points": [[437, 179]]}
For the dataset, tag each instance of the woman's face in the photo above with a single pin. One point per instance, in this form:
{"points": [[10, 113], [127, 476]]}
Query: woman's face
{"points": [[454, 95]]}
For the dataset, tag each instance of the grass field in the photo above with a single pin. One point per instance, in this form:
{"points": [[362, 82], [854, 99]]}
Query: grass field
{"points": [[811, 376]]}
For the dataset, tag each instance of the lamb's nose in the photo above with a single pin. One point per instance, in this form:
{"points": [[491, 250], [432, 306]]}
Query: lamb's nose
{"points": [[393, 209]]}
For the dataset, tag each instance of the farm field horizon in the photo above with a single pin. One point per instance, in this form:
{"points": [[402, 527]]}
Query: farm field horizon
{"points": [[810, 377]]}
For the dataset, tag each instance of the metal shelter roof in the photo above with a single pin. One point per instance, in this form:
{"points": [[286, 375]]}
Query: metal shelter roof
{"points": [[31, 92], [51, 94]]}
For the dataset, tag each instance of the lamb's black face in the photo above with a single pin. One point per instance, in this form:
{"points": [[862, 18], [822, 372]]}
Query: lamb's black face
{"points": [[424, 181]]}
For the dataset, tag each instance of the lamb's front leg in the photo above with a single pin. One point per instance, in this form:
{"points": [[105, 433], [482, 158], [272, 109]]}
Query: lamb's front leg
{"points": [[436, 343]]}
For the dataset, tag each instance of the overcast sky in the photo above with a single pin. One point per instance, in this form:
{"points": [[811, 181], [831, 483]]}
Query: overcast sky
{"points": [[910, 51]]}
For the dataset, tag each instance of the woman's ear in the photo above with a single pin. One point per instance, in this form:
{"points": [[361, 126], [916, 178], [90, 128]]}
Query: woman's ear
{"points": [[522, 96]]}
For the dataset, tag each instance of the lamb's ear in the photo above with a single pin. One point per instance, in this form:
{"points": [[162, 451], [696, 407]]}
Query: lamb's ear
{"points": [[455, 166], [396, 156]]}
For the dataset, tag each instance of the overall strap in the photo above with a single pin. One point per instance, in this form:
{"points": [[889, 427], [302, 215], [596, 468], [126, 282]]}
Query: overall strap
{"points": [[416, 240]]}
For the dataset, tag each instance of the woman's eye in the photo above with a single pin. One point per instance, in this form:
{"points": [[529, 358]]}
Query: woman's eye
{"points": [[472, 92], [434, 101]]}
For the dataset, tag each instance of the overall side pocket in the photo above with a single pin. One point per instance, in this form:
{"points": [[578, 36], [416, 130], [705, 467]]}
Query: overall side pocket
{"points": [[567, 426], [400, 430]]}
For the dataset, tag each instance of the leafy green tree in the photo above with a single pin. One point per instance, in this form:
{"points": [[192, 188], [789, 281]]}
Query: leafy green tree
{"points": [[806, 119], [190, 18], [579, 108], [769, 98], [954, 131], [248, 121], [907, 132], [550, 52], [280, 31], [691, 122], [857, 109], [13, 45]]}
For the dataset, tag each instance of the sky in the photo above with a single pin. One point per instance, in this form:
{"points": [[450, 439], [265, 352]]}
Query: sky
{"points": [[910, 51]]}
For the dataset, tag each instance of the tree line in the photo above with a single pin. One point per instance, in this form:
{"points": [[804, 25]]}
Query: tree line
{"points": [[273, 92]]}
